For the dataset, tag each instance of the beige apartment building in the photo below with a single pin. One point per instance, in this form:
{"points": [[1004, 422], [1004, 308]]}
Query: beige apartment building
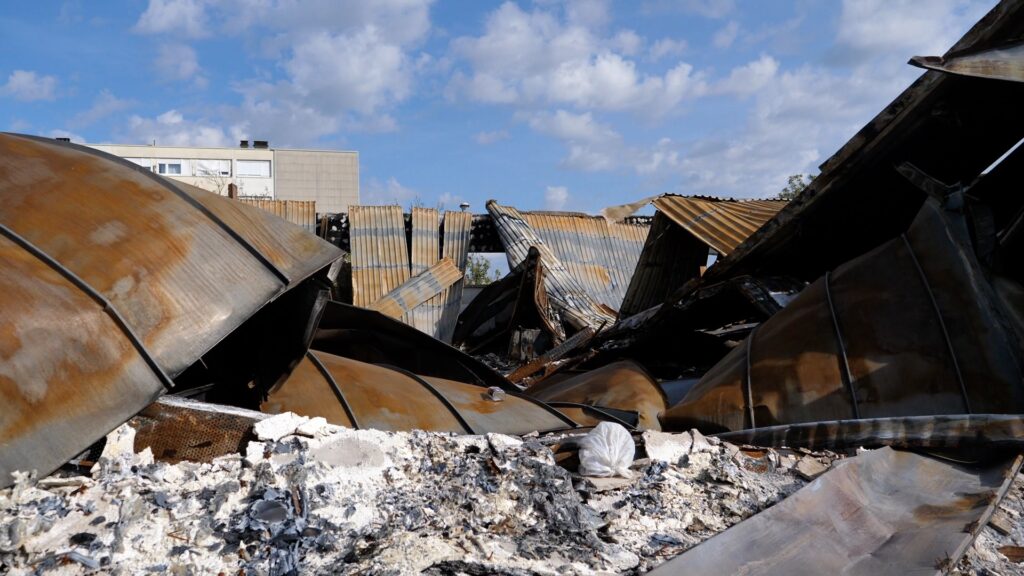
{"points": [[330, 177]]}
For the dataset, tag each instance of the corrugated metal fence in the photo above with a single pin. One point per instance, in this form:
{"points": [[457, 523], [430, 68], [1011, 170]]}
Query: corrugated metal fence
{"points": [[301, 212]]}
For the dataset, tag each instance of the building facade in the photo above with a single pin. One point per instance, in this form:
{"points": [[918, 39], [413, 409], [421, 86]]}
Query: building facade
{"points": [[329, 177]]}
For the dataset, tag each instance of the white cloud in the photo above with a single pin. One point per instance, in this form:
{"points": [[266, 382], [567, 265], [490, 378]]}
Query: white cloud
{"points": [[903, 28], [389, 192], [556, 197], [29, 86], [185, 17], [705, 8], [490, 137], [749, 78], [179, 62], [726, 35], [592, 146], [534, 57], [667, 47], [103, 106], [172, 129], [628, 42]]}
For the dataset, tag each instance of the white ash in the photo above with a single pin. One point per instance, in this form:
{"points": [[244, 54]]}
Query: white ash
{"points": [[991, 553], [368, 502]]}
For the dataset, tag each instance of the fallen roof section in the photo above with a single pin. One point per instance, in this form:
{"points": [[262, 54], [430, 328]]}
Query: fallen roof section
{"points": [[115, 282]]}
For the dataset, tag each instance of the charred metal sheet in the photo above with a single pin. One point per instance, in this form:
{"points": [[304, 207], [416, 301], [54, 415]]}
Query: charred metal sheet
{"points": [[425, 241], [142, 278], [1002, 63], [623, 385], [975, 434], [910, 328], [360, 395], [371, 337], [457, 228], [403, 301], [545, 361], [516, 301], [882, 513], [298, 212], [578, 308], [599, 254], [178, 429], [721, 224], [380, 255]]}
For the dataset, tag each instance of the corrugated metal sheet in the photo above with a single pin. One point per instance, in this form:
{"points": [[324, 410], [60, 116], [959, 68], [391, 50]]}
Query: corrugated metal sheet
{"points": [[300, 212], [457, 232], [425, 253], [407, 299], [1002, 63], [380, 254], [112, 280], [882, 513], [721, 224], [565, 292], [600, 255], [670, 257], [361, 395]]}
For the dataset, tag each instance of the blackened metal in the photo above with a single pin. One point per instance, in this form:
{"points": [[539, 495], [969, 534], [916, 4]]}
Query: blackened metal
{"points": [[844, 363], [430, 387], [603, 413], [942, 323], [334, 386], [749, 392], [95, 295], [547, 406]]}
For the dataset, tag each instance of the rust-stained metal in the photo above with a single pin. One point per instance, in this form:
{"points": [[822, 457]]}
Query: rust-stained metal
{"points": [[546, 360], [1000, 63], [910, 328], [371, 337], [143, 277], [572, 301], [298, 212], [178, 429], [884, 512], [516, 301], [403, 301], [360, 395], [380, 254], [721, 224], [425, 242], [457, 229], [975, 434], [623, 385], [598, 253]]}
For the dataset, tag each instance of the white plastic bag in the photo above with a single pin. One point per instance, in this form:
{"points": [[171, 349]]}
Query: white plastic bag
{"points": [[607, 451]]}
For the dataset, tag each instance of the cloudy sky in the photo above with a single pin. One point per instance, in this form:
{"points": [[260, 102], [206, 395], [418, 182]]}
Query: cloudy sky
{"points": [[553, 104]]}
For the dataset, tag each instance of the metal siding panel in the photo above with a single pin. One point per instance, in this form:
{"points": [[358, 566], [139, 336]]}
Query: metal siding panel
{"points": [[457, 230], [721, 224], [380, 260], [426, 285], [425, 249]]}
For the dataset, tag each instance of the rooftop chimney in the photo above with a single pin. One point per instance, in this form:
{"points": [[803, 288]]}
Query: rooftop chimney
{"points": [[243, 144], [260, 144]]}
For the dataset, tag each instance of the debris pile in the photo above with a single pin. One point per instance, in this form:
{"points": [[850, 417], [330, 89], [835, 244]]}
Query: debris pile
{"points": [[310, 497]]}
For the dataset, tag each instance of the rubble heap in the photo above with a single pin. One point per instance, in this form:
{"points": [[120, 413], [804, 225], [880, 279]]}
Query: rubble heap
{"points": [[310, 497]]}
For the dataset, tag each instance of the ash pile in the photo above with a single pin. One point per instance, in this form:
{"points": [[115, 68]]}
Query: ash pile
{"points": [[833, 384]]}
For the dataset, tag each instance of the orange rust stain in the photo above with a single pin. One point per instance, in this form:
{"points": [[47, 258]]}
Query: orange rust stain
{"points": [[963, 503]]}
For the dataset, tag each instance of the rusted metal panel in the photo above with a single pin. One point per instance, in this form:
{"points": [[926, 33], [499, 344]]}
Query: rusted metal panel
{"points": [[1001, 63], [408, 298], [721, 224], [352, 393], [457, 231], [977, 434], [425, 253], [298, 212], [380, 254], [599, 254], [136, 261], [882, 513], [623, 385], [178, 429], [910, 328], [578, 308], [546, 361]]}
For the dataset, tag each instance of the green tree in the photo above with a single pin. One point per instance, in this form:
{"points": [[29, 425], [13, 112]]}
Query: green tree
{"points": [[478, 271], [795, 184]]}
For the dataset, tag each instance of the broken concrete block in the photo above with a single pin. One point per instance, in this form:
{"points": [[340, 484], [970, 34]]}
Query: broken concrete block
{"points": [[810, 468], [279, 426], [313, 427], [667, 447], [700, 443]]}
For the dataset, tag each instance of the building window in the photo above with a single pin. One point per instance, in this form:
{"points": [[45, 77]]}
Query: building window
{"points": [[253, 168], [212, 168], [144, 162], [169, 168]]}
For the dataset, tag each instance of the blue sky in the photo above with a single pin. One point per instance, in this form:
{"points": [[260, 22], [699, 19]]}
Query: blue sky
{"points": [[544, 104]]}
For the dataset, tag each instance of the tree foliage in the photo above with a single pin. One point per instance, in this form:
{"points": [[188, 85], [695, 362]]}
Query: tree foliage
{"points": [[478, 271], [795, 184]]}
